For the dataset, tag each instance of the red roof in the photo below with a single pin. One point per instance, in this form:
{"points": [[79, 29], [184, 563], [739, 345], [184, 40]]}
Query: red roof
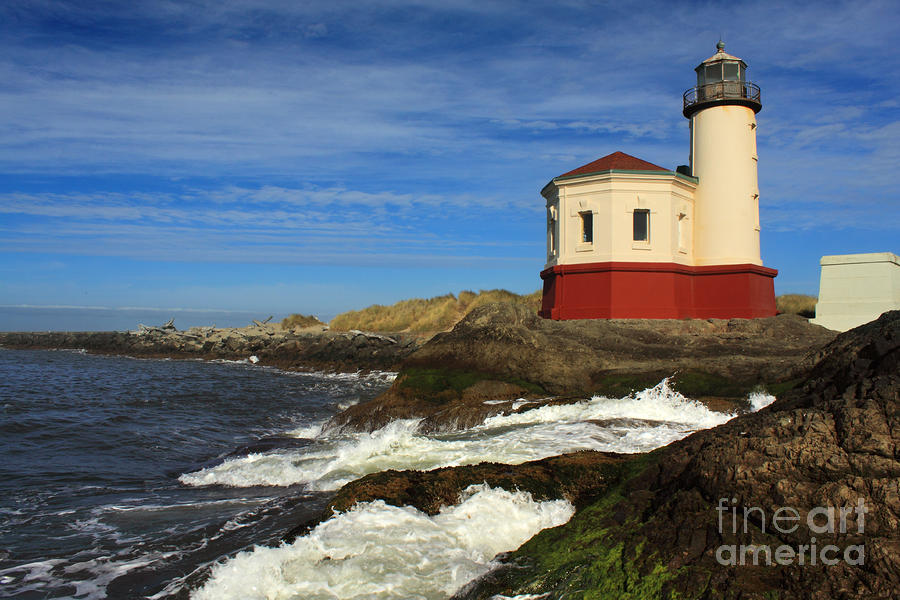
{"points": [[618, 161]]}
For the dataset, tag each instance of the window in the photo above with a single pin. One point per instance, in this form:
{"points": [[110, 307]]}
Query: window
{"points": [[587, 227], [732, 71], [641, 226], [552, 232], [551, 236]]}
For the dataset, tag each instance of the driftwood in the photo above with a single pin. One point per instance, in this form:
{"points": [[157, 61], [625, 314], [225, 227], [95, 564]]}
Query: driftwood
{"points": [[165, 328], [262, 323], [372, 336], [202, 331]]}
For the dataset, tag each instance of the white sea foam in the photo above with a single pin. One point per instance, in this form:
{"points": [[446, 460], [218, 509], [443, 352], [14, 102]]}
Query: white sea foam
{"points": [[386, 376], [348, 403], [101, 572], [373, 375], [91, 576], [638, 423], [380, 551], [760, 400], [659, 403], [307, 431], [228, 361], [31, 577]]}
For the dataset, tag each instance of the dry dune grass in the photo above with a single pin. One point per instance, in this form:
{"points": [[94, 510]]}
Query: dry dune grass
{"points": [[798, 304], [420, 315], [441, 313], [298, 320]]}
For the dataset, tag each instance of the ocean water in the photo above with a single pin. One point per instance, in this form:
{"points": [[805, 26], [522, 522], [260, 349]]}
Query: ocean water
{"points": [[127, 478]]}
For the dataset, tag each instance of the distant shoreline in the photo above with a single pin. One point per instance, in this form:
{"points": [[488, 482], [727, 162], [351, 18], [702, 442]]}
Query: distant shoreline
{"points": [[300, 349], [85, 319]]}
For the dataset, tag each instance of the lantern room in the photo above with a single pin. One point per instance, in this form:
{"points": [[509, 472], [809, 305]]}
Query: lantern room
{"points": [[721, 79]]}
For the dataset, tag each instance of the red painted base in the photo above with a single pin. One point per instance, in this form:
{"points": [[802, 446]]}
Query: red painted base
{"points": [[628, 290]]}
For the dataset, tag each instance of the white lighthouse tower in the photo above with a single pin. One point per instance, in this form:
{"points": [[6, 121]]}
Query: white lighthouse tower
{"points": [[722, 111]]}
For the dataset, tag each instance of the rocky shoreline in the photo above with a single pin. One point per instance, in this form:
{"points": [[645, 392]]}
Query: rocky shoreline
{"points": [[311, 348], [503, 352], [647, 526], [498, 354]]}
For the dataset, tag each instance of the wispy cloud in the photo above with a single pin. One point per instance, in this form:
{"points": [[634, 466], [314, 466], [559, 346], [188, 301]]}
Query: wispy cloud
{"points": [[270, 224]]}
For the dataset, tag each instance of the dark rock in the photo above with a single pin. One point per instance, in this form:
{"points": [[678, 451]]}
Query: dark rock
{"points": [[444, 401], [565, 357]]}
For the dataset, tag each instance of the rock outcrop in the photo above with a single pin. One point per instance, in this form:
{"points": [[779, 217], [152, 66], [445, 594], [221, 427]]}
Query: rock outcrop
{"points": [[565, 357], [666, 529], [308, 348], [504, 351]]}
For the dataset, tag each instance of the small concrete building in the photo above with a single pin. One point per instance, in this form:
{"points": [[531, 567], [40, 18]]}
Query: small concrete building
{"points": [[630, 239], [857, 288]]}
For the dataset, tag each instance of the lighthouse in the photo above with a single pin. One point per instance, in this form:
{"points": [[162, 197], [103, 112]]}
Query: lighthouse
{"points": [[722, 112], [627, 238]]}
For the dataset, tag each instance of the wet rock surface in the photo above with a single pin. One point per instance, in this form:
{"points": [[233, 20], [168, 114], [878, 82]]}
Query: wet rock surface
{"points": [[309, 348], [504, 351], [656, 533]]}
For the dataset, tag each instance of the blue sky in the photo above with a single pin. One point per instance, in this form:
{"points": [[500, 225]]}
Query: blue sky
{"points": [[282, 156]]}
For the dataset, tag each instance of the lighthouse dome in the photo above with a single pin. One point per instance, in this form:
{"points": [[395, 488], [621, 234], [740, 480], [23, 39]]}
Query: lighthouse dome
{"points": [[721, 80], [721, 55]]}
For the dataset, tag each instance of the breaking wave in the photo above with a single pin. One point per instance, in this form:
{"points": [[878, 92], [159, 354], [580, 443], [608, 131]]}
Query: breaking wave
{"points": [[760, 400], [638, 423], [378, 550]]}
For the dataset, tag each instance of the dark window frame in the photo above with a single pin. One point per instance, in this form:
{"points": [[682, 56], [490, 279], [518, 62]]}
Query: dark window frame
{"points": [[587, 227], [643, 224]]}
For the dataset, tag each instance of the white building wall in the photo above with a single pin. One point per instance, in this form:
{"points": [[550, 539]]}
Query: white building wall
{"points": [[857, 288], [612, 199]]}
